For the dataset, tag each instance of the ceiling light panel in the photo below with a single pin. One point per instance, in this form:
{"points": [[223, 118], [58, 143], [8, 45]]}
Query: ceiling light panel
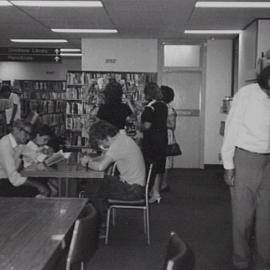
{"points": [[221, 32], [58, 3], [228, 4], [5, 3], [39, 40], [79, 31]]}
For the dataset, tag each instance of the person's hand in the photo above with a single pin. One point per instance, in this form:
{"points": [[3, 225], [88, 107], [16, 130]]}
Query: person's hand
{"points": [[84, 161], [41, 166], [229, 177], [43, 190]]}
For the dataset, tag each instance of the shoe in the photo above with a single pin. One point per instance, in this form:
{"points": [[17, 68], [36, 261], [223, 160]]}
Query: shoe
{"points": [[155, 197], [165, 188]]}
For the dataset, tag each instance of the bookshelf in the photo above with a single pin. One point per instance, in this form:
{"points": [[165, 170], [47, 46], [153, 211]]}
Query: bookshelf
{"points": [[84, 95], [47, 98]]}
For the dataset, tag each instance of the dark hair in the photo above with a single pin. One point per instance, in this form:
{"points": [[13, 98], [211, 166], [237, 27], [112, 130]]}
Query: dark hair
{"points": [[113, 92], [20, 124], [152, 91], [5, 91], [100, 131], [168, 93], [43, 130], [263, 77]]}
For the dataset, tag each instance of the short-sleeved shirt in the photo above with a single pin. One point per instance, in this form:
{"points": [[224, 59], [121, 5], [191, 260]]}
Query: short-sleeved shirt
{"points": [[115, 114], [129, 159], [13, 100]]}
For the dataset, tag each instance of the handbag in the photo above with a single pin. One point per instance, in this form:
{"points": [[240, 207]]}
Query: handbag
{"points": [[173, 149]]}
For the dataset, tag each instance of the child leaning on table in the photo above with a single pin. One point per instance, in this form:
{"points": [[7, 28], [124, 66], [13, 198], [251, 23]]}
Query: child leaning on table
{"points": [[37, 150]]}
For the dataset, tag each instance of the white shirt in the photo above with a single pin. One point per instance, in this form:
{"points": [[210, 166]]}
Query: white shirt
{"points": [[9, 160], [248, 124], [13, 100]]}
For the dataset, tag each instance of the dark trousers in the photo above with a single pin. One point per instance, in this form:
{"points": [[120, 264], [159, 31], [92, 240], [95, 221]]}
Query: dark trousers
{"points": [[8, 190], [251, 200], [110, 187]]}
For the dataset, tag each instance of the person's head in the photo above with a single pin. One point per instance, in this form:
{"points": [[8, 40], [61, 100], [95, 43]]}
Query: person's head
{"points": [[101, 134], [113, 92], [5, 91], [263, 80], [152, 91], [22, 131], [168, 93], [42, 134]]}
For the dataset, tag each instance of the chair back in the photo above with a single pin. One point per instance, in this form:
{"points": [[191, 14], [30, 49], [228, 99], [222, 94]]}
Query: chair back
{"points": [[179, 254], [84, 239]]}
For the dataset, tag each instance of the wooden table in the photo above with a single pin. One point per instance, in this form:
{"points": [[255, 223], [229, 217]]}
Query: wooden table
{"points": [[32, 230], [64, 172]]}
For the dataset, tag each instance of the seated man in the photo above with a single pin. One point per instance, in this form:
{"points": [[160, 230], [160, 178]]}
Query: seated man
{"points": [[12, 183], [125, 153]]}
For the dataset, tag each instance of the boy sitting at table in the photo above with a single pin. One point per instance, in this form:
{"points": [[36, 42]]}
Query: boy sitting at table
{"points": [[37, 150], [124, 152]]}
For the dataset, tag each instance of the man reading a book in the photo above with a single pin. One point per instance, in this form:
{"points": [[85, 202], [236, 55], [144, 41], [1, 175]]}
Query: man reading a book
{"points": [[12, 183]]}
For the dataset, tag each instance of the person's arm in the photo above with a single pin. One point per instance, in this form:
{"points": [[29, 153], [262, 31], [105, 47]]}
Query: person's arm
{"points": [[8, 163], [171, 120], [14, 111], [233, 121], [97, 165]]}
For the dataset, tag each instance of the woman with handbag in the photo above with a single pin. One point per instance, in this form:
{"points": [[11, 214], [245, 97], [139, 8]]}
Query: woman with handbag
{"points": [[168, 96], [155, 137]]}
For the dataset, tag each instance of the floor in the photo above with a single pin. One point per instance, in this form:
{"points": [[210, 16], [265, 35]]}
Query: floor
{"points": [[197, 208]]}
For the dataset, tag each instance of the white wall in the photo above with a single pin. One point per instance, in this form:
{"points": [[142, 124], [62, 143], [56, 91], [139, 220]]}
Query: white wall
{"points": [[37, 71], [263, 36], [134, 55], [247, 55], [218, 85]]}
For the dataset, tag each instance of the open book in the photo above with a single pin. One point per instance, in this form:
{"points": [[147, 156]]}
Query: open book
{"points": [[56, 157]]}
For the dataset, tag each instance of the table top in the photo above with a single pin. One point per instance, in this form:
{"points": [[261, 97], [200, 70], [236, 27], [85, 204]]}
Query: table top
{"points": [[62, 171], [32, 230]]}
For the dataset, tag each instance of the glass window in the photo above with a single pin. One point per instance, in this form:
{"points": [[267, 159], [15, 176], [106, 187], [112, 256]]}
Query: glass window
{"points": [[181, 55]]}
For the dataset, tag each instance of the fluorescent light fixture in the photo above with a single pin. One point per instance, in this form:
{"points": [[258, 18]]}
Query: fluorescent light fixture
{"points": [[58, 3], [5, 3], [71, 54], [208, 4], [70, 50], [39, 40], [80, 31], [221, 32]]}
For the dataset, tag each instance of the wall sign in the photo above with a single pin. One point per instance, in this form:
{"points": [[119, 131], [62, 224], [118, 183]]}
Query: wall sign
{"points": [[30, 54]]}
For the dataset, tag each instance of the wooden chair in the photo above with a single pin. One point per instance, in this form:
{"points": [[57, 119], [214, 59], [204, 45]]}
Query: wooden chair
{"points": [[84, 239], [179, 255], [138, 204]]}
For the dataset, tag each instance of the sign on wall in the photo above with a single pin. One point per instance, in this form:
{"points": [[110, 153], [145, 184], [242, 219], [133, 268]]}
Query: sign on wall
{"points": [[30, 54]]}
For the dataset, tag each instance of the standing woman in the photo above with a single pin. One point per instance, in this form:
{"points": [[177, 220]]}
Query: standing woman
{"points": [[168, 96], [155, 137], [114, 110]]}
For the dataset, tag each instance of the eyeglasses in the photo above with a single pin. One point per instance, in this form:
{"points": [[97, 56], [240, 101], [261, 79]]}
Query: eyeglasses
{"points": [[29, 133]]}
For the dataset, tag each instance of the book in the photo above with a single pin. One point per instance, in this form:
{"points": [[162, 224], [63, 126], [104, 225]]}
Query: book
{"points": [[56, 158]]}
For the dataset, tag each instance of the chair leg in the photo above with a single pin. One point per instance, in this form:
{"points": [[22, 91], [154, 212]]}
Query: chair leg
{"points": [[113, 215], [107, 225], [144, 220], [148, 226], [82, 265]]}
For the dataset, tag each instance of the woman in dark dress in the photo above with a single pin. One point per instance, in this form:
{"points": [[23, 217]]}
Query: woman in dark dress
{"points": [[114, 110], [155, 137]]}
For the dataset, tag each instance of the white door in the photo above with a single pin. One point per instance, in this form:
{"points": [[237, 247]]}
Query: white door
{"points": [[187, 86]]}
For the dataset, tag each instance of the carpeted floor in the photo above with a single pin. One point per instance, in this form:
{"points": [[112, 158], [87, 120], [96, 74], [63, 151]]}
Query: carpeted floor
{"points": [[197, 208]]}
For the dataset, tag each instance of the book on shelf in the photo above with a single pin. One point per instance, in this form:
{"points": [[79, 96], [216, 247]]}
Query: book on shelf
{"points": [[56, 158]]}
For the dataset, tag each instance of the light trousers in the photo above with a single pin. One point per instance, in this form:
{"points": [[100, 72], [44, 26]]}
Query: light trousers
{"points": [[251, 207]]}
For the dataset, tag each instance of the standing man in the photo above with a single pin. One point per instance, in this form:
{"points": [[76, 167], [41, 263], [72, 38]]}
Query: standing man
{"points": [[12, 183], [246, 159]]}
